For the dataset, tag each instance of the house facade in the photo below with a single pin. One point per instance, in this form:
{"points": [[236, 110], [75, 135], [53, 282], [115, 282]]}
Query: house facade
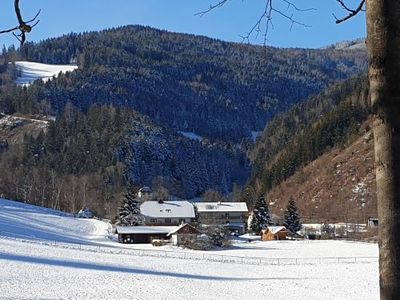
{"points": [[167, 213], [230, 214], [183, 234]]}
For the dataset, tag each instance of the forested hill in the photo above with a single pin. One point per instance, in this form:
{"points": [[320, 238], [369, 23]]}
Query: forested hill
{"points": [[325, 123], [215, 89], [192, 104]]}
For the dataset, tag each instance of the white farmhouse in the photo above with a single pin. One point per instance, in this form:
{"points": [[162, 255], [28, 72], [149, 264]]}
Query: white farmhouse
{"points": [[167, 213]]}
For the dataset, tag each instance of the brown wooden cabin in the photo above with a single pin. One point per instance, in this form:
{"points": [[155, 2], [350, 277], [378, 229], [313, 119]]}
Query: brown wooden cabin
{"points": [[274, 233]]}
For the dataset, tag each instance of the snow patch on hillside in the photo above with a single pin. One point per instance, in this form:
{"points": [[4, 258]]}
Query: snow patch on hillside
{"points": [[357, 44], [255, 135], [191, 135], [31, 71]]}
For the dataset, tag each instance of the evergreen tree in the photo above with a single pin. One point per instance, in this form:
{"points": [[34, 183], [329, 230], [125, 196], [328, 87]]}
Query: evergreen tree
{"points": [[292, 218], [261, 217], [129, 212]]}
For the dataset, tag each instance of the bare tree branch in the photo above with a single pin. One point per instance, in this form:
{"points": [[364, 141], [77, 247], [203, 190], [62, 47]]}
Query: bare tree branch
{"points": [[264, 22], [24, 27], [212, 7], [352, 12]]}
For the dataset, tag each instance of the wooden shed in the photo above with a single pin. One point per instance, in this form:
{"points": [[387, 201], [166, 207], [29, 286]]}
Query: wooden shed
{"points": [[273, 233], [142, 234], [183, 234]]}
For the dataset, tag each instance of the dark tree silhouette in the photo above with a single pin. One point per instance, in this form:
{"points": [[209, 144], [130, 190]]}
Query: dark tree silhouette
{"points": [[23, 27], [292, 218]]}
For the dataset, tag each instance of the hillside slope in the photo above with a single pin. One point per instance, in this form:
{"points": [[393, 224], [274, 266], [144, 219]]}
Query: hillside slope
{"points": [[212, 88], [13, 128], [337, 186], [187, 86], [34, 223], [320, 153]]}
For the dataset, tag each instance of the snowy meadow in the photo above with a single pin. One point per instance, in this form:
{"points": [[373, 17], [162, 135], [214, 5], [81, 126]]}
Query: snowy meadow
{"points": [[45, 254]]}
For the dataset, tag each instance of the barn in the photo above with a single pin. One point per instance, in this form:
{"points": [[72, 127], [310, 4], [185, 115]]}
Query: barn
{"points": [[142, 234], [183, 234], [273, 233]]}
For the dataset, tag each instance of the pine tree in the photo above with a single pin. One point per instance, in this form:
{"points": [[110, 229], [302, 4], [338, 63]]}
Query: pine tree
{"points": [[261, 217], [292, 218], [129, 212]]}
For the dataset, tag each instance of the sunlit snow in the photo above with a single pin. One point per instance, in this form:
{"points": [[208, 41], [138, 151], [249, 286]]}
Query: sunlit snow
{"points": [[31, 71]]}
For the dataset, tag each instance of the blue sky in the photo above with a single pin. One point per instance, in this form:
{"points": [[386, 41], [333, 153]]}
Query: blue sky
{"points": [[228, 23]]}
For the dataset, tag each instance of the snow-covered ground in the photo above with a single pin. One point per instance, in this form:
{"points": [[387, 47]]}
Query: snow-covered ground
{"points": [[31, 71], [90, 266]]}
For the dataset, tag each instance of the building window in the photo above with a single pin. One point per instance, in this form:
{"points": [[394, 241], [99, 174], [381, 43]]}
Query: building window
{"points": [[181, 221], [153, 220], [168, 221]]}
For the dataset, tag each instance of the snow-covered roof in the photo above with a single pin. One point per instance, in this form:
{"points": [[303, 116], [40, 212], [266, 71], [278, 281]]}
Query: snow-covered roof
{"points": [[221, 207], [145, 229], [276, 229], [145, 189], [180, 227], [167, 209]]}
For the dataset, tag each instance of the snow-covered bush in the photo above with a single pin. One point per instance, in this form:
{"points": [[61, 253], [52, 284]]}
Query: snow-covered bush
{"points": [[85, 213]]}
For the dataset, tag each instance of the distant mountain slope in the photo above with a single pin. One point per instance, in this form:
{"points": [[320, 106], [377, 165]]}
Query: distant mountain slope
{"points": [[294, 156], [189, 83], [199, 104], [86, 159], [357, 44], [337, 186]]}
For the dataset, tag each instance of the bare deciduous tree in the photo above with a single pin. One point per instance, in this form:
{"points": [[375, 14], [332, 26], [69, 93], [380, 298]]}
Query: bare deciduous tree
{"points": [[23, 27]]}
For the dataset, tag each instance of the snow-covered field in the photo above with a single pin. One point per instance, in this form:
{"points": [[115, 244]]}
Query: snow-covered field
{"points": [[32, 268], [31, 71]]}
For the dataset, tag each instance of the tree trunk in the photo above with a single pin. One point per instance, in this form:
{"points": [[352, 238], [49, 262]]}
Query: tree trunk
{"points": [[383, 43]]}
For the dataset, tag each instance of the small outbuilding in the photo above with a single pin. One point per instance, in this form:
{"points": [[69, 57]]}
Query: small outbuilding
{"points": [[183, 234], [273, 233], [142, 234]]}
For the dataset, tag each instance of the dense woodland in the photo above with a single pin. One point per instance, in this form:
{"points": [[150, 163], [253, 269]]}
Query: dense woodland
{"points": [[329, 120], [119, 116], [216, 89]]}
